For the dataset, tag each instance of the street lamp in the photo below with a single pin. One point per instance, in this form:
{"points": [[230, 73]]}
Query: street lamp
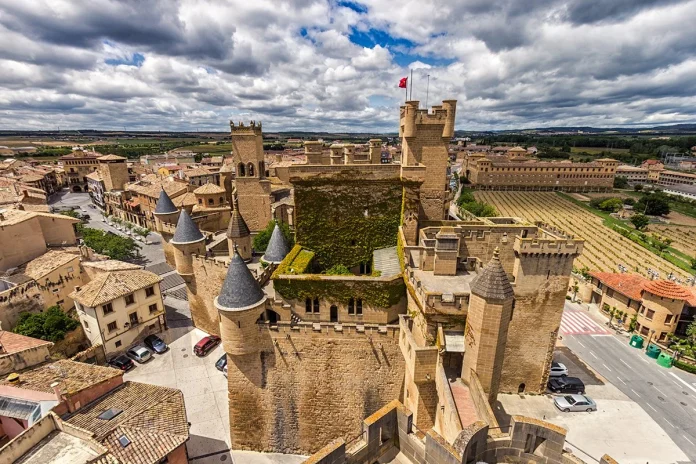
{"points": [[652, 332]]}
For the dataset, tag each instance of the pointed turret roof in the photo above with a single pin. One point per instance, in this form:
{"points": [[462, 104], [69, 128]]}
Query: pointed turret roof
{"points": [[277, 247], [240, 290], [164, 204], [238, 227], [186, 230], [492, 282]]}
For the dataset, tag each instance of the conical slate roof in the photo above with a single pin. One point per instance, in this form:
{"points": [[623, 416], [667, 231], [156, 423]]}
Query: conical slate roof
{"points": [[277, 247], [492, 282], [186, 230], [164, 204], [238, 227], [240, 289]]}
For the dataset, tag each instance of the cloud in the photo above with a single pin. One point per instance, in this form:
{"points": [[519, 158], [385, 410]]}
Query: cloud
{"points": [[335, 65]]}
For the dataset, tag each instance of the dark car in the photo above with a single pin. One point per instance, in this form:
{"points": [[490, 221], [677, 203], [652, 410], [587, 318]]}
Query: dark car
{"points": [[156, 344], [122, 362], [205, 345], [566, 385], [221, 363], [85, 217]]}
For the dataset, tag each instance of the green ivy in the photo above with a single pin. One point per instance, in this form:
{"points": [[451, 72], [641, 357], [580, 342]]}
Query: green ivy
{"points": [[373, 292]]}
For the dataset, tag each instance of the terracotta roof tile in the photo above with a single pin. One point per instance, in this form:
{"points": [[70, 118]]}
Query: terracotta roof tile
{"points": [[630, 285], [111, 285], [74, 376], [209, 188], [111, 265], [13, 216], [49, 262], [667, 289], [14, 343]]}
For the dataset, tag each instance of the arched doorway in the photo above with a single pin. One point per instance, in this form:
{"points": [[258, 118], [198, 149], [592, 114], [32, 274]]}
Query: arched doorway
{"points": [[76, 188], [521, 388], [269, 316]]}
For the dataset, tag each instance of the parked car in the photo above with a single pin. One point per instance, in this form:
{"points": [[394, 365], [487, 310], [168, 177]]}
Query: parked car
{"points": [[558, 370], [139, 353], [569, 403], [221, 363], [85, 217], [156, 344], [205, 345], [122, 362], [566, 385]]}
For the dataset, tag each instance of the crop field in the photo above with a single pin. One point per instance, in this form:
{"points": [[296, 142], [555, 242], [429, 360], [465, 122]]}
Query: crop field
{"points": [[683, 237], [604, 248]]}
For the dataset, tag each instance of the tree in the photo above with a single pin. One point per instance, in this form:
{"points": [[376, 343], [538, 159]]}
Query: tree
{"points": [[612, 313], [263, 237], [638, 187], [620, 182], [691, 332], [576, 288], [112, 245], [629, 201], [693, 263], [653, 204], [51, 325], [640, 221], [611, 204]]}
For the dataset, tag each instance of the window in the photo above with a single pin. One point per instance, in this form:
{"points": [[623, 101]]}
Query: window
{"points": [[211, 201], [358, 306], [200, 201], [153, 308], [86, 325], [668, 318], [130, 299], [112, 326], [316, 305], [308, 305], [108, 309], [251, 170], [649, 315], [118, 343], [351, 306], [241, 170], [149, 291], [109, 414]]}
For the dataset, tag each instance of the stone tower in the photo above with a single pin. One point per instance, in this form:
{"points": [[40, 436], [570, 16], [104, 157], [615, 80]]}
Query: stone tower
{"points": [[187, 241], [114, 172], [375, 151], [238, 236], [485, 334], [166, 215], [277, 247], [253, 189], [240, 303], [425, 140]]}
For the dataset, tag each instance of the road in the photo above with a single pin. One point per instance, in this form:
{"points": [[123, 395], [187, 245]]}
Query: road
{"points": [[668, 396]]}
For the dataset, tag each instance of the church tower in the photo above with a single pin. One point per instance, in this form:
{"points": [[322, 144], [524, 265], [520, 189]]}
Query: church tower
{"points": [[187, 241], [485, 334], [253, 189], [238, 235]]}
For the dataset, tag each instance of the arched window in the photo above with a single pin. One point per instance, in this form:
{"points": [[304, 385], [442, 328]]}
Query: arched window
{"points": [[251, 170], [240, 170], [211, 201], [222, 200], [200, 201]]}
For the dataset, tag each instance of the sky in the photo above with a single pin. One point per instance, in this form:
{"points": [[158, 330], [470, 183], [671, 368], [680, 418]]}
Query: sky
{"points": [[335, 65]]}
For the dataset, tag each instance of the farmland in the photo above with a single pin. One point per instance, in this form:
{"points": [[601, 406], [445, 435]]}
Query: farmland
{"points": [[683, 237], [604, 248]]}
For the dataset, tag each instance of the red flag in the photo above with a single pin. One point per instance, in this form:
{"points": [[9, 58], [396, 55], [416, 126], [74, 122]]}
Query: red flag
{"points": [[402, 82]]}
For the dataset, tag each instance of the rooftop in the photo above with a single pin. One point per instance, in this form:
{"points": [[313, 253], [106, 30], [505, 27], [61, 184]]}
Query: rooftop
{"points": [[59, 447], [12, 217], [164, 204], [94, 176], [492, 281], [108, 286], [186, 230], [187, 199], [80, 154], [111, 157], [152, 419], [277, 247], [196, 172], [73, 376], [630, 285], [14, 343], [49, 262], [386, 261], [151, 186], [240, 290], [111, 265], [209, 188], [667, 289]]}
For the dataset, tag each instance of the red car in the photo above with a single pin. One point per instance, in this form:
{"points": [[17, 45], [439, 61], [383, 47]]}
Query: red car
{"points": [[205, 345]]}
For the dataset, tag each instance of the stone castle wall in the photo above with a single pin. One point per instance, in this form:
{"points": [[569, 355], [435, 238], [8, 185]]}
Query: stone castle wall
{"points": [[310, 384], [205, 285], [254, 197]]}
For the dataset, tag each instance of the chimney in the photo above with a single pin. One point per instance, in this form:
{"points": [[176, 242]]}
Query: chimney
{"points": [[56, 389]]}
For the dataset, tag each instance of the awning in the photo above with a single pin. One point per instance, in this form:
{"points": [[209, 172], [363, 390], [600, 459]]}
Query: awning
{"points": [[454, 341]]}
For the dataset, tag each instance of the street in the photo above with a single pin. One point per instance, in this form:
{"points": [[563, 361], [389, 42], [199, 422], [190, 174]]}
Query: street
{"points": [[668, 396]]}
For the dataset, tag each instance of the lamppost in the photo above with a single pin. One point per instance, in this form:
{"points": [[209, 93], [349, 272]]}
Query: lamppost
{"points": [[652, 332]]}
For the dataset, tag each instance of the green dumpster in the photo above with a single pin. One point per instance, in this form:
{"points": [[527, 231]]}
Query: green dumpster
{"points": [[636, 341], [653, 351], [664, 360]]}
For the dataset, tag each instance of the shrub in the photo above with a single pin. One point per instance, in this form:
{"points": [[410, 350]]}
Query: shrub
{"points": [[338, 269], [51, 325], [568, 297], [114, 246], [684, 366]]}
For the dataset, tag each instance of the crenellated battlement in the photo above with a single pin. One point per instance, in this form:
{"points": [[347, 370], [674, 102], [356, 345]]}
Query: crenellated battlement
{"points": [[411, 116], [547, 246], [254, 128]]}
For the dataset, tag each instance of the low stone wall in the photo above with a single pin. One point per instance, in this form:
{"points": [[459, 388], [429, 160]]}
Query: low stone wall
{"points": [[14, 362], [92, 355], [480, 400], [447, 422]]}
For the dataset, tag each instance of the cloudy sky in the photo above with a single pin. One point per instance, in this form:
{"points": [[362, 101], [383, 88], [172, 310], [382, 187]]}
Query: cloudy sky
{"points": [[335, 65]]}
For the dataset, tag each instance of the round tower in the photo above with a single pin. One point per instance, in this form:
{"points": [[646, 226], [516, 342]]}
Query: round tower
{"points": [[238, 234], [487, 322], [165, 213], [240, 304], [187, 241], [210, 196], [277, 247]]}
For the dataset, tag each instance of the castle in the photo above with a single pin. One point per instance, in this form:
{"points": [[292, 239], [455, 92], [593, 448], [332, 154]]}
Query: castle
{"points": [[384, 309]]}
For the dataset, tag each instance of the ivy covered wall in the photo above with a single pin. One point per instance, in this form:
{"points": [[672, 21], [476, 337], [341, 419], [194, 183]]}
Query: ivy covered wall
{"points": [[343, 220]]}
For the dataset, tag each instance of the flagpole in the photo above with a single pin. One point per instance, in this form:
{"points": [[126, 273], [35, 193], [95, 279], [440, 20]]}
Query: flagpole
{"points": [[411, 82], [427, 88], [406, 95]]}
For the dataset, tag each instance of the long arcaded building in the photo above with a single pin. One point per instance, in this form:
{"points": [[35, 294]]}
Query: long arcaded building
{"points": [[513, 172]]}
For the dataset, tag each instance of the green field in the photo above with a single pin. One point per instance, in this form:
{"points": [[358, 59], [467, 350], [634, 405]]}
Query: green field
{"points": [[597, 150]]}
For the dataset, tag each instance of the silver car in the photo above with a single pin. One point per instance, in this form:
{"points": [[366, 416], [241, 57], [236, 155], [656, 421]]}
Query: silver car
{"points": [[139, 353], [569, 403], [558, 370]]}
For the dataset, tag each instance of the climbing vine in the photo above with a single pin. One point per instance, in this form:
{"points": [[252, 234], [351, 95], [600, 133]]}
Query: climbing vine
{"points": [[373, 292]]}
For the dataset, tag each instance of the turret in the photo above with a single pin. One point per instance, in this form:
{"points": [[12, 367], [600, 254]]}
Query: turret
{"points": [[165, 212], [375, 151], [187, 241], [240, 303], [277, 247], [409, 120], [348, 153], [336, 153], [238, 236], [313, 151], [451, 107], [485, 334]]}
